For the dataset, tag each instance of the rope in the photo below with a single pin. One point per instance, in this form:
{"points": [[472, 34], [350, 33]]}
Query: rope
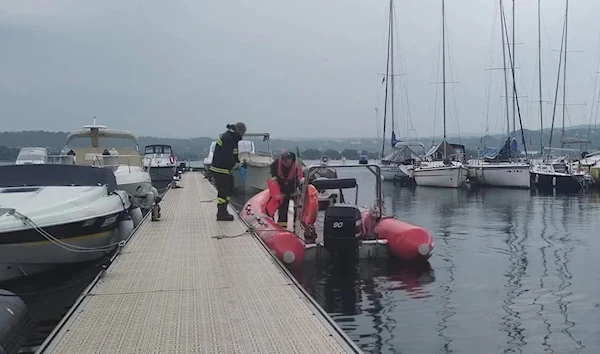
{"points": [[67, 246]]}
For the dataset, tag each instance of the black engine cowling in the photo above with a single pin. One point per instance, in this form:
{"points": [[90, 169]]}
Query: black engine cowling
{"points": [[341, 229]]}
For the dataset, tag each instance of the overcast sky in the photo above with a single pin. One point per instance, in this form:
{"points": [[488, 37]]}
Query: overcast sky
{"points": [[293, 68]]}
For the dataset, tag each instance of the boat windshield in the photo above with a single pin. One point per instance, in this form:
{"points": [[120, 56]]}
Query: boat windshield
{"points": [[158, 149]]}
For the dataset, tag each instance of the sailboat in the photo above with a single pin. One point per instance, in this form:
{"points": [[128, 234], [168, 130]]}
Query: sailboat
{"points": [[557, 174], [442, 166], [398, 163], [498, 167]]}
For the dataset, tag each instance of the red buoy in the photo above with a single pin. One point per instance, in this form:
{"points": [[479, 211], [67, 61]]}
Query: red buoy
{"points": [[286, 246]]}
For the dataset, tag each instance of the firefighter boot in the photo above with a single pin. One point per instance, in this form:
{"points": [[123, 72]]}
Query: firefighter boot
{"points": [[222, 214]]}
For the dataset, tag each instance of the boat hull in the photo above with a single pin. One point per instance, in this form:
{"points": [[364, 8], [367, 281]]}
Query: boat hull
{"points": [[256, 178], [501, 175], [162, 177], [564, 183], [446, 177]]}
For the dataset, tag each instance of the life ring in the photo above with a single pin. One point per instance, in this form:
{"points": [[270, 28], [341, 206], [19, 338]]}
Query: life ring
{"points": [[311, 205], [172, 159]]}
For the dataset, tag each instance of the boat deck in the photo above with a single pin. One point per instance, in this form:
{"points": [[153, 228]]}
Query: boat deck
{"points": [[189, 284]]}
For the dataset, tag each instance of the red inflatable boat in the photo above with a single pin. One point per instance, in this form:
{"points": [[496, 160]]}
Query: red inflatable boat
{"points": [[342, 229]]}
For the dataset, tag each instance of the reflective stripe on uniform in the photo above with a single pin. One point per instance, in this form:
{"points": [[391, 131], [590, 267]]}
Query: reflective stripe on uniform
{"points": [[221, 201], [228, 198], [219, 170], [282, 223], [219, 141], [235, 151]]}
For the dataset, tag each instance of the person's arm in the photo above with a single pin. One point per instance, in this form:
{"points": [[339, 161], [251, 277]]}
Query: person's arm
{"points": [[236, 157]]}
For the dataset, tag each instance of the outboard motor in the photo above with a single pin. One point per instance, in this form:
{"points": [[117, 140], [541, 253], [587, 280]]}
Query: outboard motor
{"points": [[342, 228], [15, 322]]}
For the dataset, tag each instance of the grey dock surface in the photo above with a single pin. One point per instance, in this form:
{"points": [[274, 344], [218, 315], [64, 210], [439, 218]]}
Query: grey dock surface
{"points": [[177, 287]]}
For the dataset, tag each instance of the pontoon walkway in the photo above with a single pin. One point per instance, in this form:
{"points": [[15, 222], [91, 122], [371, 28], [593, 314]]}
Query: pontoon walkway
{"points": [[176, 288]]}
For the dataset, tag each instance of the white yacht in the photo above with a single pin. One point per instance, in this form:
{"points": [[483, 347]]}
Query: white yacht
{"points": [[162, 162], [499, 168], [442, 165], [127, 164], [54, 214]]}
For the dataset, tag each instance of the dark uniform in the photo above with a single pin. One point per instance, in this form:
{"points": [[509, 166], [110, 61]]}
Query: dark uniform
{"points": [[225, 159], [288, 183]]}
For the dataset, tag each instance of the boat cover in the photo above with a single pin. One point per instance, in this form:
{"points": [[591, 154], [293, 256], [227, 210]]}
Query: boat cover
{"points": [[401, 153], [494, 153], [54, 175]]}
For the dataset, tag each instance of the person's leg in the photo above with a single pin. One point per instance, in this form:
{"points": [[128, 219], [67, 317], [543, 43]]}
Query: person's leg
{"points": [[223, 193], [283, 211]]}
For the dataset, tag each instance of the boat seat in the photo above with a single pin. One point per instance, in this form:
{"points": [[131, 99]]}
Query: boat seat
{"points": [[322, 184]]}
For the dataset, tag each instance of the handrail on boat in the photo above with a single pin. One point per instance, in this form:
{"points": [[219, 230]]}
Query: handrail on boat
{"points": [[104, 161]]}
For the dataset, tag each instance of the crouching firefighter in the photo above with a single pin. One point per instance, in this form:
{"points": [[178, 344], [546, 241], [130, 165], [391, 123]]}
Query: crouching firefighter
{"points": [[225, 159], [288, 176]]}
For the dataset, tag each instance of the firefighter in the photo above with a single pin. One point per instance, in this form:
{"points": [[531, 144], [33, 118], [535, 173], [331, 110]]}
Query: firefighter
{"points": [[288, 175], [225, 159]]}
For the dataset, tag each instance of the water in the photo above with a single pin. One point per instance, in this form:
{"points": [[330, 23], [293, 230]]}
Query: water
{"points": [[512, 272]]}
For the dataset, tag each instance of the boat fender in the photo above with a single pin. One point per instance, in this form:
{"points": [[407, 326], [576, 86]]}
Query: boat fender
{"points": [[125, 227], [275, 197], [15, 322], [311, 205], [150, 198], [155, 192], [136, 216]]}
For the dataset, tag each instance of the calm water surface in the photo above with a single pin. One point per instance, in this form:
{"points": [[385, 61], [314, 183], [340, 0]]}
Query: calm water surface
{"points": [[512, 272]]}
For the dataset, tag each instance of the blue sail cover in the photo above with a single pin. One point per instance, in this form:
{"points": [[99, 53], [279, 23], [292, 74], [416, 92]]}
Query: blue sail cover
{"points": [[508, 150]]}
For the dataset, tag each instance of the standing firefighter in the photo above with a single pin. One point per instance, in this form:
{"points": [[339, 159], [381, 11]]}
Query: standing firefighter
{"points": [[225, 159], [288, 175]]}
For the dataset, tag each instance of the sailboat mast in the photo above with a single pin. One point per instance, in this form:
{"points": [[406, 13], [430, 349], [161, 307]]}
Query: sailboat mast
{"points": [[502, 22], [444, 72], [540, 77], [392, 60], [564, 108], [512, 64], [386, 78]]}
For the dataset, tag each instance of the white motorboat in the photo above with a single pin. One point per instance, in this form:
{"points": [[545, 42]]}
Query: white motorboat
{"points": [[208, 159], [52, 215], [162, 163], [132, 174], [257, 163], [32, 155]]}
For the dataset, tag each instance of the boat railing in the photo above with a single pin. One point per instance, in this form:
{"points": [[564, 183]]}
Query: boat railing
{"points": [[104, 161]]}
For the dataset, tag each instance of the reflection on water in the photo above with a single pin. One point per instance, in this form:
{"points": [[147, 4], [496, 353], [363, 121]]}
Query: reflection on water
{"points": [[513, 272]]}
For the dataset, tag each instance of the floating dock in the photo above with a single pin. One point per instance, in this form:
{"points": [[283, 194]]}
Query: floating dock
{"points": [[190, 284]]}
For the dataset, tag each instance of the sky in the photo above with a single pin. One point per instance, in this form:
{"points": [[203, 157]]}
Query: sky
{"points": [[292, 68]]}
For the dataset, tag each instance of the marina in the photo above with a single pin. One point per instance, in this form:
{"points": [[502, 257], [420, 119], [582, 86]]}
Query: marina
{"points": [[189, 284], [237, 195]]}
